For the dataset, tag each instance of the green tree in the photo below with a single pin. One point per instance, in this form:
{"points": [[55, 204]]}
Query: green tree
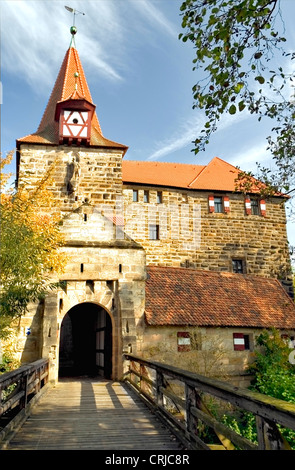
{"points": [[237, 46], [30, 242], [274, 376]]}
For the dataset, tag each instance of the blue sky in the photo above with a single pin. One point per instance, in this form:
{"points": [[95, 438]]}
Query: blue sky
{"points": [[139, 73]]}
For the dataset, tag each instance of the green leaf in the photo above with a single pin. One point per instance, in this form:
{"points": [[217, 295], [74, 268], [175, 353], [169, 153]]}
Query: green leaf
{"points": [[238, 87], [232, 109], [241, 105], [260, 79]]}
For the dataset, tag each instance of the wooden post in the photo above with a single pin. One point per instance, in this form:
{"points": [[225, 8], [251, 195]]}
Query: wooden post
{"points": [[190, 401], [141, 372], [38, 376], [24, 388], [159, 384], [269, 437]]}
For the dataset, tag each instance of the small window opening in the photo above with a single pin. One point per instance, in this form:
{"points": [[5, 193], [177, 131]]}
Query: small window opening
{"points": [[242, 342], [90, 286], [110, 285], [82, 268], [159, 197], [154, 232], [218, 204], [61, 304], [255, 207], [120, 268], [183, 341], [75, 121], [85, 217], [238, 266], [135, 195]]}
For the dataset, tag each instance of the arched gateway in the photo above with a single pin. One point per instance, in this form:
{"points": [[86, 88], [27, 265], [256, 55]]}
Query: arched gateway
{"points": [[86, 342]]}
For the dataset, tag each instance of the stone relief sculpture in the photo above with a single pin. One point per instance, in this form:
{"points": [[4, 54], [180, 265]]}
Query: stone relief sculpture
{"points": [[73, 175]]}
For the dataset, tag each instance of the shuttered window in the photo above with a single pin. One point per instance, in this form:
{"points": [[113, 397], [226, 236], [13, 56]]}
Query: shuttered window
{"points": [[241, 342], [254, 206], [218, 204], [183, 341]]}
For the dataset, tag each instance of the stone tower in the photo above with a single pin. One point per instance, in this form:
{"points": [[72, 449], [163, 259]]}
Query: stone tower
{"points": [[85, 326]]}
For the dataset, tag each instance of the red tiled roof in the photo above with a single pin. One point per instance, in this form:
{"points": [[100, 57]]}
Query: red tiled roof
{"points": [[64, 89], [218, 175], [178, 175], [180, 296]]}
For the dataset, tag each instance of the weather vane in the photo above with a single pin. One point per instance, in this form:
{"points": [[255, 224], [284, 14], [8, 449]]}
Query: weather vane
{"points": [[73, 28], [76, 12]]}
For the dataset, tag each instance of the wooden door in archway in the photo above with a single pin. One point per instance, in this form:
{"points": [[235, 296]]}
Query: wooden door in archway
{"points": [[86, 342]]}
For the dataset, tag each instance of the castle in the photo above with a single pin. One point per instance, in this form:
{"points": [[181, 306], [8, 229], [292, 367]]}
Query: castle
{"points": [[156, 250]]}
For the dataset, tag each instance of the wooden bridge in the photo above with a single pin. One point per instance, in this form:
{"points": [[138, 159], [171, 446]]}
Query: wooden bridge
{"points": [[156, 407]]}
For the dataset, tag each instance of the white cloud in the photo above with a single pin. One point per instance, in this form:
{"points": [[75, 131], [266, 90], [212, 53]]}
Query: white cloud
{"points": [[35, 35], [184, 136], [247, 158], [188, 131], [155, 16]]}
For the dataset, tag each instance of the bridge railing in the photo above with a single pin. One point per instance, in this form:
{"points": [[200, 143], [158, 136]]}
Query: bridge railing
{"points": [[184, 399], [18, 389]]}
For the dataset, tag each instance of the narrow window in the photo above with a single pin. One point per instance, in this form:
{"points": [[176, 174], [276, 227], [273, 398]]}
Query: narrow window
{"points": [[120, 268], [238, 266], [218, 205], [183, 341], [255, 207], [159, 197], [135, 195], [241, 342], [89, 287], [85, 217], [146, 196], [154, 232], [81, 267]]}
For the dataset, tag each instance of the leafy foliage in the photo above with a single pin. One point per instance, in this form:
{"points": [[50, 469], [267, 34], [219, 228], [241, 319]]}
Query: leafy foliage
{"points": [[274, 374], [237, 45], [30, 241]]}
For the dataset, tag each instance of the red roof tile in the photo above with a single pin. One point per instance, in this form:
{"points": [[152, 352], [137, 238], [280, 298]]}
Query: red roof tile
{"points": [[218, 175], [67, 86], [159, 173], [180, 297]]}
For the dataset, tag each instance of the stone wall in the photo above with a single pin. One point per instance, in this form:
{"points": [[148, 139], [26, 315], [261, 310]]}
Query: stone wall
{"points": [[121, 294], [211, 353], [191, 236], [80, 173]]}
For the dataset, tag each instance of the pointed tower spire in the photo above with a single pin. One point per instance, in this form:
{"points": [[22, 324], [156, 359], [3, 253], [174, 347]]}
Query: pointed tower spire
{"points": [[70, 116]]}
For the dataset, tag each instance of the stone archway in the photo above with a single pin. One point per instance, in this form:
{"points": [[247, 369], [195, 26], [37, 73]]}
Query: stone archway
{"points": [[86, 342]]}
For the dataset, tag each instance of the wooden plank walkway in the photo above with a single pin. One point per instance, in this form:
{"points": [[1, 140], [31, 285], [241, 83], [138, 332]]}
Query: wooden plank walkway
{"points": [[91, 414]]}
